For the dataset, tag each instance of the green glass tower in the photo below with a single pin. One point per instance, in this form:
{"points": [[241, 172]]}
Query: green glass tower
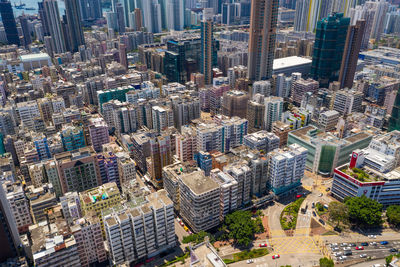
{"points": [[330, 39], [394, 121]]}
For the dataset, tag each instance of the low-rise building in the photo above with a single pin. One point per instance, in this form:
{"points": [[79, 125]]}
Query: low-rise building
{"points": [[262, 140], [40, 199]]}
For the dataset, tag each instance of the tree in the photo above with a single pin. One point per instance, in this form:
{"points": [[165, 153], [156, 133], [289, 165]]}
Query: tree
{"points": [[364, 211], [241, 227], [338, 212], [325, 262], [393, 215]]}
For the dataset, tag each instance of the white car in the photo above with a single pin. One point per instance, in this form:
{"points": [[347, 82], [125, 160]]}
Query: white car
{"points": [[320, 195], [372, 236], [334, 244], [335, 248], [347, 248], [363, 255], [250, 261], [342, 258], [337, 254], [343, 245]]}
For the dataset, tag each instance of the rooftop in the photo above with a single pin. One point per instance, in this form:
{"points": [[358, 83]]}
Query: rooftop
{"points": [[38, 56], [287, 62], [199, 183]]}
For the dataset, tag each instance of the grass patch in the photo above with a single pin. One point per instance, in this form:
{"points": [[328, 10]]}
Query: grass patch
{"points": [[289, 215], [197, 238], [247, 254], [320, 209], [177, 259]]}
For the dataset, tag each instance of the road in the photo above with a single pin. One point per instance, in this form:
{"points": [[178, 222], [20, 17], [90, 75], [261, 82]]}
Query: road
{"points": [[273, 213], [373, 251], [294, 260]]}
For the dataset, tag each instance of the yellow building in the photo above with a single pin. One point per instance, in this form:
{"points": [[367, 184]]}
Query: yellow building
{"points": [[99, 199]]}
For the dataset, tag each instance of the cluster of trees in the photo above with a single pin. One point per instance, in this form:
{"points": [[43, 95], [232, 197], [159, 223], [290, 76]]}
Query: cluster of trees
{"points": [[325, 262], [241, 227], [362, 211]]}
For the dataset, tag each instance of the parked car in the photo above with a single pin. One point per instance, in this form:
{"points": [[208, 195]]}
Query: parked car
{"points": [[320, 195], [250, 261], [364, 244], [352, 245], [337, 254], [313, 205], [314, 214], [335, 248], [263, 245], [343, 245], [321, 221], [359, 248], [394, 250], [384, 242], [276, 256], [347, 248], [372, 236], [373, 243], [363, 255]]}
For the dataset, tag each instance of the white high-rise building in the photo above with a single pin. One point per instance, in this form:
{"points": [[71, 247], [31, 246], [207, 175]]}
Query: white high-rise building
{"points": [[286, 168], [273, 111], [261, 87], [175, 14], [27, 112], [143, 231]]}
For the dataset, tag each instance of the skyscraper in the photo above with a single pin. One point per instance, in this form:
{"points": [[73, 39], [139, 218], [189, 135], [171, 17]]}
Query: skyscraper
{"points": [[152, 15], [329, 44], [52, 15], [207, 50], [350, 55], [74, 18], [10, 27], [263, 19], [25, 30], [175, 11], [90, 9], [119, 9]]}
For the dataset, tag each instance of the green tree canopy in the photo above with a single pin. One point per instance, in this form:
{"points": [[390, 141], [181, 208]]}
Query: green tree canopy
{"points": [[325, 262], [241, 227], [393, 215], [338, 212], [364, 211]]}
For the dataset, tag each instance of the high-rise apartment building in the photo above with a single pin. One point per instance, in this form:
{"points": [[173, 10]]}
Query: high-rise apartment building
{"points": [[207, 48], [87, 233], [8, 19], [72, 137], [185, 144], [160, 156], [234, 103], [301, 86], [19, 205], [347, 101], [286, 168], [273, 111], [78, 170], [98, 131], [185, 109], [329, 44], [328, 120], [281, 130], [352, 47], [263, 20], [262, 140], [142, 231], [199, 201], [255, 115], [74, 23], [100, 199]]}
